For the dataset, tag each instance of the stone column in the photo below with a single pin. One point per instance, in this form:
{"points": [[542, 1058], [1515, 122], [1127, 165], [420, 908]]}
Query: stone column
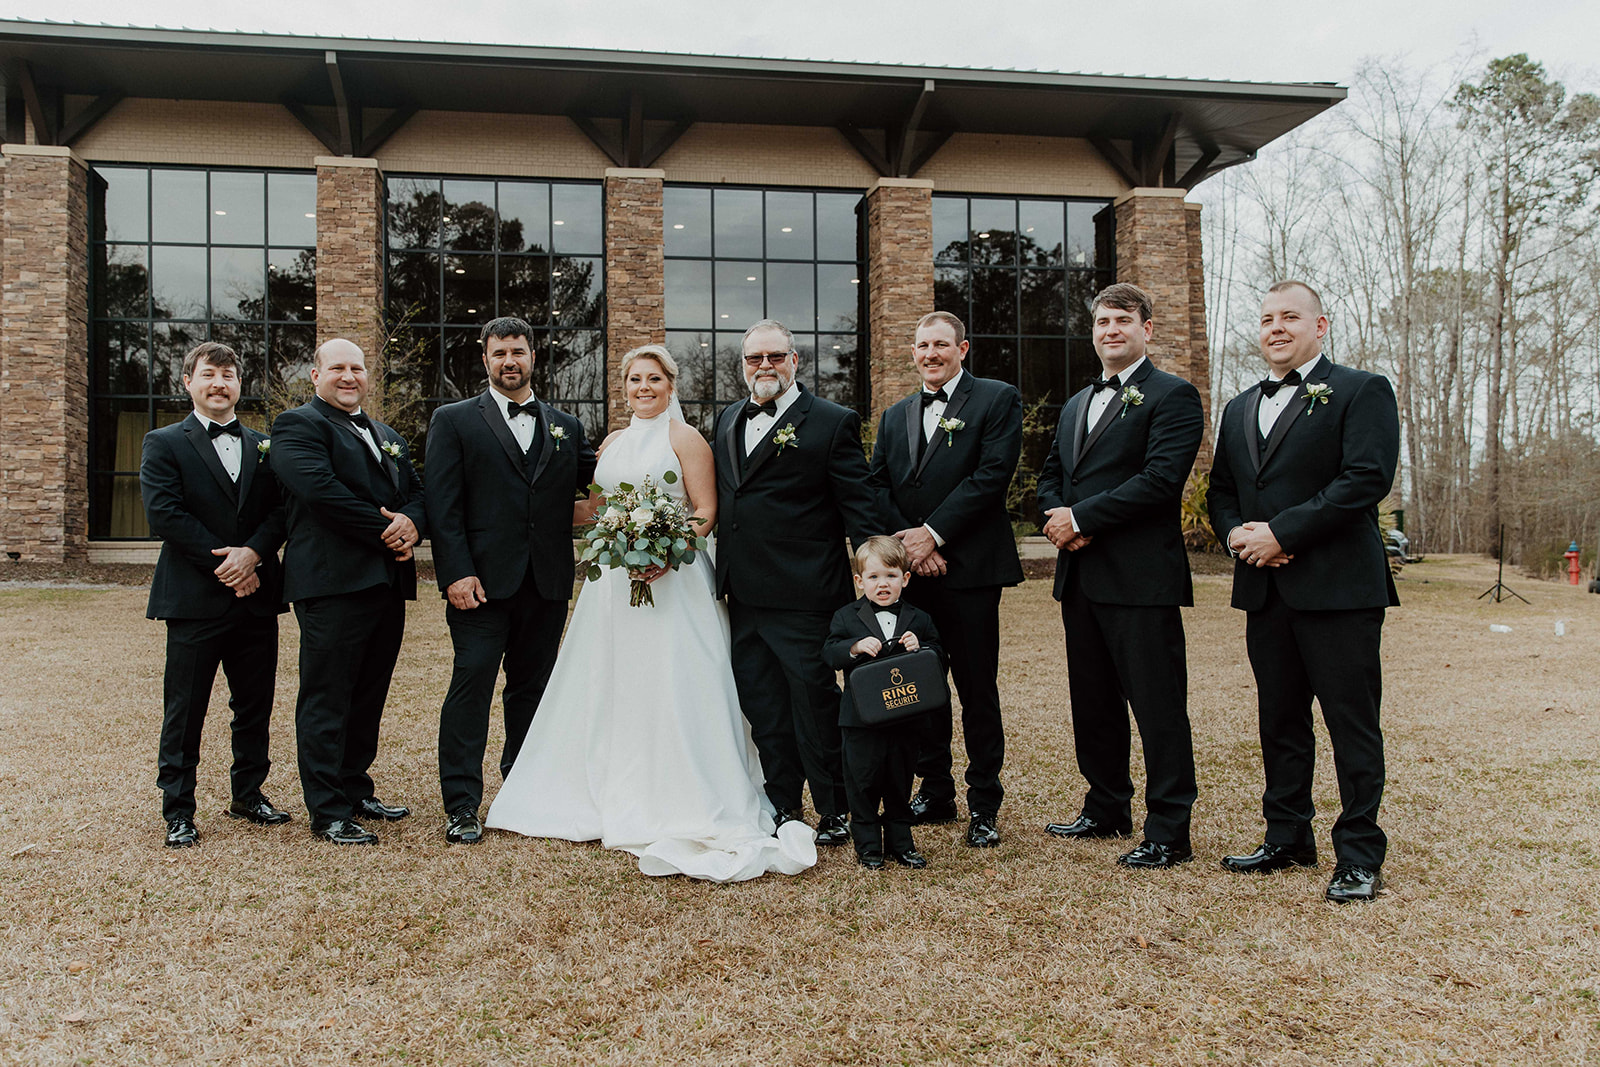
{"points": [[44, 355], [899, 283], [350, 260], [1199, 339], [635, 274]]}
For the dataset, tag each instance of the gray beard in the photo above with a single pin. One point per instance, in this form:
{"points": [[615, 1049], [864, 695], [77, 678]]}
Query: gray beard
{"points": [[767, 388]]}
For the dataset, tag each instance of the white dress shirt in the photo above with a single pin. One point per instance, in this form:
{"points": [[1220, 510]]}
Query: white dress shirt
{"points": [[522, 424], [366, 435], [888, 620], [1103, 398], [1272, 406], [230, 449], [756, 427]]}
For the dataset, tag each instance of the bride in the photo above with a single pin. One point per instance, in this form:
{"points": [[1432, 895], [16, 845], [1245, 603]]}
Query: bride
{"points": [[639, 741]]}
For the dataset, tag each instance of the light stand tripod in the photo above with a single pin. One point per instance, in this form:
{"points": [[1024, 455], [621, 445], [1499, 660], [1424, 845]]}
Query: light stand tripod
{"points": [[1500, 589]]}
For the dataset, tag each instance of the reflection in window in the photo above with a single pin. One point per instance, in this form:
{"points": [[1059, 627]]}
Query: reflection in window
{"points": [[735, 256], [179, 256], [463, 251]]}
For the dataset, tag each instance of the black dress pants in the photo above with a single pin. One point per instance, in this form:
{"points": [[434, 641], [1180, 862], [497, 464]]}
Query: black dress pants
{"points": [[348, 647], [791, 698], [879, 764], [1334, 657], [968, 621], [245, 645], [523, 631], [1118, 655]]}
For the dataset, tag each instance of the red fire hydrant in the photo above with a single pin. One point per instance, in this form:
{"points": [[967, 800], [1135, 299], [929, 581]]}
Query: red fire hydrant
{"points": [[1573, 568]]}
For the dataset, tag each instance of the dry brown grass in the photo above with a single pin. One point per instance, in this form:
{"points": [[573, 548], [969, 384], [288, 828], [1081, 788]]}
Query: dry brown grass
{"points": [[264, 946]]}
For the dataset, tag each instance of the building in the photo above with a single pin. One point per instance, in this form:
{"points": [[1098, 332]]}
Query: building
{"points": [[162, 187]]}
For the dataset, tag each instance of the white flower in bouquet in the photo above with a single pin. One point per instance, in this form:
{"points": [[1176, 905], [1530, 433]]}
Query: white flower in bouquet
{"points": [[641, 529], [640, 517]]}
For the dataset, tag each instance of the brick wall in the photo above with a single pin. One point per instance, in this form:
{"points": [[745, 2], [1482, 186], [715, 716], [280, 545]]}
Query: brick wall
{"points": [[635, 275], [1199, 343], [350, 260], [900, 282], [44, 342]]}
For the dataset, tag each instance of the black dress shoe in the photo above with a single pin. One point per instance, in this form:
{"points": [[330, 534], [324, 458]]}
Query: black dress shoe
{"points": [[925, 812], [1155, 854], [463, 827], [1270, 857], [181, 832], [373, 808], [346, 832], [259, 811], [872, 861], [1351, 883], [782, 816], [910, 858], [832, 830], [1083, 826], [981, 831]]}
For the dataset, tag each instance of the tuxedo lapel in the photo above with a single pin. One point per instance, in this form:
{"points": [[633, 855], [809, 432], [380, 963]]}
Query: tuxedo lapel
{"points": [[869, 618], [1118, 407], [951, 410], [1289, 416], [793, 417], [249, 456], [489, 408], [390, 465], [726, 439], [546, 443], [1100, 427], [201, 441], [1078, 416], [1251, 430], [914, 436]]}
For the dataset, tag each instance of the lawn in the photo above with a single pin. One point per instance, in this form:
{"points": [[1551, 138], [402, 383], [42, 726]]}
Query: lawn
{"points": [[264, 946]]}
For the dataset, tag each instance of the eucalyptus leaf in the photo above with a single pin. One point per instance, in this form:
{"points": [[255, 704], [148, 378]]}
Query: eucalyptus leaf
{"points": [[671, 478]]}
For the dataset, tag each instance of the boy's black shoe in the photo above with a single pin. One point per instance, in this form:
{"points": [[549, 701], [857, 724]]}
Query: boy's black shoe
{"points": [[872, 861], [909, 858]]}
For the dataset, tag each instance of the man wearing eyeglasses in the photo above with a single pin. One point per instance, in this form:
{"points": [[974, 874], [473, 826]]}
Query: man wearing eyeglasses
{"points": [[791, 483]]}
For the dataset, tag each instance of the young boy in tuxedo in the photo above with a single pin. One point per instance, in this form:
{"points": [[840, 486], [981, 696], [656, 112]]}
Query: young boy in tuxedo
{"points": [[879, 761]]}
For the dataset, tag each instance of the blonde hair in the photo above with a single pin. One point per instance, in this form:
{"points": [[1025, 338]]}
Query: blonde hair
{"points": [[658, 353], [890, 551]]}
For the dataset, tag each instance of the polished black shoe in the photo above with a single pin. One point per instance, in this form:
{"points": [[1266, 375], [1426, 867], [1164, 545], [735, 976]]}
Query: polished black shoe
{"points": [[981, 831], [1270, 857], [181, 832], [1352, 883], [259, 811], [872, 861], [373, 808], [346, 832], [463, 828], [925, 812], [1155, 854], [910, 858], [781, 816], [832, 830], [1085, 827]]}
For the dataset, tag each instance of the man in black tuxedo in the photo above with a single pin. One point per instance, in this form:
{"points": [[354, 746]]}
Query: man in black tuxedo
{"points": [[1111, 492], [503, 471], [941, 465], [208, 493], [791, 483], [355, 514], [1303, 460]]}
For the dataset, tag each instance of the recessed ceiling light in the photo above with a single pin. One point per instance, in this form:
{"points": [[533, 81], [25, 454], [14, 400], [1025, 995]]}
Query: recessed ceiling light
{"points": [[555, 274], [394, 340], [750, 277], [461, 270], [724, 315], [219, 212], [472, 311], [837, 347], [447, 218], [560, 222], [1030, 229], [704, 344], [788, 229], [855, 281], [311, 214], [983, 236], [310, 307], [677, 225]]}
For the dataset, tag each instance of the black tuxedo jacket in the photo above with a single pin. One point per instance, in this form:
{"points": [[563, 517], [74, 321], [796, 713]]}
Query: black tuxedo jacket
{"points": [[1123, 479], [856, 620], [492, 515], [959, 485], [782, 514], [193, 506], [333, 487], [1318, 483]]}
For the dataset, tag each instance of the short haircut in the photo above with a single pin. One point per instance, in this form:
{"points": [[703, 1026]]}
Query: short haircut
{"points": [[1290, 283], [773, 324], [890, 551], [659, 353], [948, 319], [213, 352], [503, 327], [1124, 296]]}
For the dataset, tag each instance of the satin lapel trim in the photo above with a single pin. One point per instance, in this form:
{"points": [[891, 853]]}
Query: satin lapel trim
{"points": [[208, 455], [497, 426], [1107, 416], [870, 618], [730, 423], [951, 410], [1286, 421], [547, 443], [1078, 418], [1252, 430], [390, 465], [766, 449], [914, 440], [249, 457]]}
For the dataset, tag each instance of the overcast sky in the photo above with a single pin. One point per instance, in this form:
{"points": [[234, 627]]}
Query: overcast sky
{"points": [[1257, 40]]}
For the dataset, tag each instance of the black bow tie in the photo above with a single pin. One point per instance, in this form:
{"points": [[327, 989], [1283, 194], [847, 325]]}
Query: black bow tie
{"points": [[892, 609], [938, 394], [752, 408], [1104, 383], [1270, 386], [513, 409], [359, 418], [215, 430]]}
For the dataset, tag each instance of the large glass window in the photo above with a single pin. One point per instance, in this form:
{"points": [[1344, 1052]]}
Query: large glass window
{"points": [[180, 256], [738, 255], [464, 251]]}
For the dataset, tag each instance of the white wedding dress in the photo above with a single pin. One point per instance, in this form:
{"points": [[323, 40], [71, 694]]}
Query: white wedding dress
{"points": [[639, 742]]}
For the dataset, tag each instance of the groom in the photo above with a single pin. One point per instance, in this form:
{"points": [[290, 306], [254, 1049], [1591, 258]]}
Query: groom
{"points": [[791, 482], [503, 469]]}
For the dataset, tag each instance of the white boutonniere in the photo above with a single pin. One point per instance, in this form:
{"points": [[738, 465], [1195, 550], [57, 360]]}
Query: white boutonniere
{"points": [[1316, 391], [264, 446], [1131, 397], [391, 448], [950, 426], [558, 434], [785, 437]]}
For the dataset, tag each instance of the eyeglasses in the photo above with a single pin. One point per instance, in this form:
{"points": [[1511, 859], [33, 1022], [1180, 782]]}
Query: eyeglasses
{"points": [[755, 359]]}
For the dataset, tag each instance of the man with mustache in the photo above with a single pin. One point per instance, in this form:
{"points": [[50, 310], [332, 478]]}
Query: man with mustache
{"points": [[791, 483]]}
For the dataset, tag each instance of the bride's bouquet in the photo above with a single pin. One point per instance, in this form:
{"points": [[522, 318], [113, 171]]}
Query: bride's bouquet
{"points": [[640, 528]]}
